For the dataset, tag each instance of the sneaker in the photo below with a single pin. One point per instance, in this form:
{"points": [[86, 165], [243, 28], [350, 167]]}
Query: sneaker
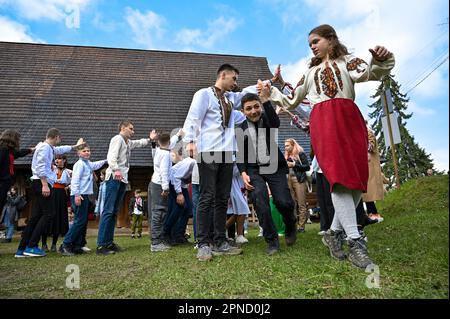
{"points": [[34, 252], [139, 236], [132, 236], [159, 247], [232, 242], [85, 249], [103, 250], [273, 247], [358, 253], [321, 233], [301, 230], [66, 251], [204, 253], [5, 240], [20, 254], [334, 241], [309, 221], [53, 249], [114, 247], [225, 249], [291, 237], [45, 248], [375, 216], [241, 240]]}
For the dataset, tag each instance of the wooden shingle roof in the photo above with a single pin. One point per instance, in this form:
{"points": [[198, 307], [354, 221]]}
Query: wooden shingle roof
{"points": [[87, 91]]}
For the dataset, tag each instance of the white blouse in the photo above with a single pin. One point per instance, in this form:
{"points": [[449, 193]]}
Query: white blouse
{"points": [[333, 79]]}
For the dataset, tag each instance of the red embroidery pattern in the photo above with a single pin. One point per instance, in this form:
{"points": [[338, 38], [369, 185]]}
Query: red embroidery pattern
{"points": [[338, 75], [316, 80], [357, 64], [329, 85]]}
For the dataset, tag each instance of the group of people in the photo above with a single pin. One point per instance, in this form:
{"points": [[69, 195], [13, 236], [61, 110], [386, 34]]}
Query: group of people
{"points": [[230, 148]]}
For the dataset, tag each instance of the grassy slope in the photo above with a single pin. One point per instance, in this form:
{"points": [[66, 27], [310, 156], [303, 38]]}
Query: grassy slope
{"points": [[410, 248]]}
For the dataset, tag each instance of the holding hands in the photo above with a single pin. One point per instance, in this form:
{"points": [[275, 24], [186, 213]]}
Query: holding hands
{"points": [[153, 135], [263, 89], [80, 144], [247, 183], [277, 76]]}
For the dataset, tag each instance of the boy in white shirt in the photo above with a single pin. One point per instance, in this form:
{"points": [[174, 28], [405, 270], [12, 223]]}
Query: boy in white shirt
{"points": [[81, 187], [159, 188]]}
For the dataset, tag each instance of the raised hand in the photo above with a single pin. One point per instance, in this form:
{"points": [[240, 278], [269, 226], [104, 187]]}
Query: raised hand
{"points": [[277, 76], [80, 143], [153, 135], [380, 53], [263, 89]]}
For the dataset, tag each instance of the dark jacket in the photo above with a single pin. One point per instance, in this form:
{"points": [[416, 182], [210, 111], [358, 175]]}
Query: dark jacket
{"points": [[301, 167], [14, 204], [4, 161], [131, 205], [268, 120]]}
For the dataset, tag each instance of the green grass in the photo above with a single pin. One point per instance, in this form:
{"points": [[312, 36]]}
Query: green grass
{"points": [[410, 247]]}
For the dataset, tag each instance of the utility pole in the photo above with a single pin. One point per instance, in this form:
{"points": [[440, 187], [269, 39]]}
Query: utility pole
{"points": [[391, 137]]}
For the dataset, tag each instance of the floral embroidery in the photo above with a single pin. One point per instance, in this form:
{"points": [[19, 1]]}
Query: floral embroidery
{"points": [[338, 75], [316, 80], [357, 64], [329, 85]]}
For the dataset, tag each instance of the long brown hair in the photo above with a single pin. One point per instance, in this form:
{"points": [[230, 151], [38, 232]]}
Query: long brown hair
{"points": [[10, 139], [337, 48]]}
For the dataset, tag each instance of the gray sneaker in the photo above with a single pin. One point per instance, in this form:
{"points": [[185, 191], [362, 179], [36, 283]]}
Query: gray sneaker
{"points": [[159, 247], [358, 253], [334, 240], [204, 253], [226, 249]]}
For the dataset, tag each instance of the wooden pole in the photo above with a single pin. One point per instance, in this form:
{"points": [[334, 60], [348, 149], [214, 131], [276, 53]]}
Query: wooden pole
{"points": [[391, 139]]}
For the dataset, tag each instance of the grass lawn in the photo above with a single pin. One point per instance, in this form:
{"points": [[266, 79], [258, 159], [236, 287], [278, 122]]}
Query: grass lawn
{"points": [[410, 248]]}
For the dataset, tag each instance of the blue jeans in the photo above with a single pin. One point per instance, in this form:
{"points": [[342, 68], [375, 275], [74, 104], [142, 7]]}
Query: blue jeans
{"points": [[177, 218], [75, 235], [9, 226], [195, 197], [115, 191]]}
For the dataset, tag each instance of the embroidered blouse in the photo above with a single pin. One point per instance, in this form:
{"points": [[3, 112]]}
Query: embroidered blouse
{"points": [[333, 79]]}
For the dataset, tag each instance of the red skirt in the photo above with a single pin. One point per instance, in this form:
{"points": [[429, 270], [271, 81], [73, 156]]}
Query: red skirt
{"points": [[339, 140]]}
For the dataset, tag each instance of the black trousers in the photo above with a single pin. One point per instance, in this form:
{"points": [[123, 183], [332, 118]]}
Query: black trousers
{"points": [[40, 212], [215, 187], [371, 208], [281, 198], [325, 202], [361, 215]]}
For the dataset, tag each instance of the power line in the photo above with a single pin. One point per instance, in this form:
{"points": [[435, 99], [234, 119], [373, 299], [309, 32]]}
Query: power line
{"points": [[436, 61], [446, 58]]}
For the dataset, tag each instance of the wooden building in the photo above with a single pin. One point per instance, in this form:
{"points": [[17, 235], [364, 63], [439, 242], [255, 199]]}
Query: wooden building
{"points": [[87, 91]]}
